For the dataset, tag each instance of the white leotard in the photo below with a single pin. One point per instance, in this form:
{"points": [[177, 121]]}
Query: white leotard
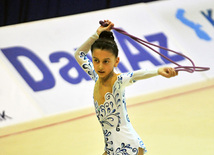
{"points": [[120, 137]]}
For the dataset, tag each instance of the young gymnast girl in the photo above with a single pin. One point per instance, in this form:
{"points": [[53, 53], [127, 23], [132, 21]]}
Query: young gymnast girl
{"points": [[109, 97]]}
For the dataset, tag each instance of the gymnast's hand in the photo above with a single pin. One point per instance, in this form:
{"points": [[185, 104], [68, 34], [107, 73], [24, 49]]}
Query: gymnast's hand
{"points": [[167, 72], [107, 28]]}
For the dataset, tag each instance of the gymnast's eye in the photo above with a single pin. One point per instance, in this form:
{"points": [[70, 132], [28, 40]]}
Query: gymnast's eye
{"points": [[106, 61], [96, 60]]}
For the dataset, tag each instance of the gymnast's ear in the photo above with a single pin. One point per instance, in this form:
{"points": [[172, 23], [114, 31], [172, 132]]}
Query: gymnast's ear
{"points": [[117, 62]]}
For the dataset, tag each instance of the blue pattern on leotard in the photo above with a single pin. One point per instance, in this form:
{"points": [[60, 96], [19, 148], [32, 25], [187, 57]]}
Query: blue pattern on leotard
{"points": [[119, 135]]}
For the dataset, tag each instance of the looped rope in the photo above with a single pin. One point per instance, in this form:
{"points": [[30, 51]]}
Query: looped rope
{"points": [[189, 69]]}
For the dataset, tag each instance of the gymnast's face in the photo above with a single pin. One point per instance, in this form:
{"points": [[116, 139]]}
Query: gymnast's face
{"points": [[104, 62]]}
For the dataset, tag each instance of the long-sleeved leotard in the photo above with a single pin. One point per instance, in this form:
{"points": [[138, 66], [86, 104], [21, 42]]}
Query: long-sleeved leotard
{"points": [[120, 137]]}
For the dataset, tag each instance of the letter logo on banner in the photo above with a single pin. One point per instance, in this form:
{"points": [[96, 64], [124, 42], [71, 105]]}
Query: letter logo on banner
{"points": [[208, 16], [12, 55], [143, 54], [55, 57], [162, 40], [134, 59], [48, 81], [195, 26]]}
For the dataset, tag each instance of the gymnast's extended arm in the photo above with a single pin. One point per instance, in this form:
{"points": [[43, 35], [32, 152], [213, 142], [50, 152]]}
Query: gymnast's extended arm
{"points": [[146, 73]]}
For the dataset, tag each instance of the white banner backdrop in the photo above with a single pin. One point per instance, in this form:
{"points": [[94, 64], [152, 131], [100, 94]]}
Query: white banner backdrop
{"points": [[39, 58], [16, 104], [191, 24]]}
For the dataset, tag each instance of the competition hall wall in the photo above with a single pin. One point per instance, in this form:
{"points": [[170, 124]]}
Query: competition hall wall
{"points": [[40, 77]]}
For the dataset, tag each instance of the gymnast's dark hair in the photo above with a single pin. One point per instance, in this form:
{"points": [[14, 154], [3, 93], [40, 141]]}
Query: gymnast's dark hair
{"points": [[106, 42]]}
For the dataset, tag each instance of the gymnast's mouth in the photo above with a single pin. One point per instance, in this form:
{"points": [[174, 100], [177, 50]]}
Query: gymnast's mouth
{"points": [[101, 72]]}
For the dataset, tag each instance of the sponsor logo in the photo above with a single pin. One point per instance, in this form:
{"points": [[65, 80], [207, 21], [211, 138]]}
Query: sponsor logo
{"points": [[209, 16], [48, 81], [196, 27]]}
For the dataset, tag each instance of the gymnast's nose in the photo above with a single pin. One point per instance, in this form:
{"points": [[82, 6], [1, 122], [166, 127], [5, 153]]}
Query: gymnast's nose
{"points": [[100, 66]]}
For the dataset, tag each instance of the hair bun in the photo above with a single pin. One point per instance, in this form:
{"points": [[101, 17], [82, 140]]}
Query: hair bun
{"points": [[107, 35]]}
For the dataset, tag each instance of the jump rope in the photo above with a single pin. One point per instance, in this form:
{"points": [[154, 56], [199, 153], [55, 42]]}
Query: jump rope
{"points": [[179, 67]]}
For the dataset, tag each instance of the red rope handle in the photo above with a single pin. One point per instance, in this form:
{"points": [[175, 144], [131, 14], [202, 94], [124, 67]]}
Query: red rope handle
{"points": [[179, 67]]}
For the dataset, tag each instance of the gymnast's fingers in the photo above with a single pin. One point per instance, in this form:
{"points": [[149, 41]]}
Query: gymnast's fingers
{"points": [[172, 72], [110, 24]]}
